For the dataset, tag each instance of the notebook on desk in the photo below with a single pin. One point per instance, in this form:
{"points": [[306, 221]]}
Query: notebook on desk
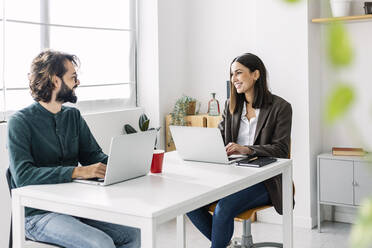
{"points": [[257, 161], [202, 144], [130, 157]]}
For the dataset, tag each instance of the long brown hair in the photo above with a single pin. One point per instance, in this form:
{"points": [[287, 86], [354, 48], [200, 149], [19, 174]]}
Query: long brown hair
{"points": [[262, 95]]}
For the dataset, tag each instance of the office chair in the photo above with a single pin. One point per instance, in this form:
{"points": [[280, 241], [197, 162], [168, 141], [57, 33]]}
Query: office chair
{"points": [[246, 240], [28, 242]]}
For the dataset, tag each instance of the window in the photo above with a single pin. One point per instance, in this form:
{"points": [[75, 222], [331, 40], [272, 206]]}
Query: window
{"points": [[102, 33]]}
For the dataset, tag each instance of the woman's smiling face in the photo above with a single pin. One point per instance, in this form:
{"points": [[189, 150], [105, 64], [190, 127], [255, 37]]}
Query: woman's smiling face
{"points": [[242, 78]]}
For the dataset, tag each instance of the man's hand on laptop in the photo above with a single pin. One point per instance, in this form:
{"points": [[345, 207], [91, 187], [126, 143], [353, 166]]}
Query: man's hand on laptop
{"points": [[233, 148], [97, 170]]}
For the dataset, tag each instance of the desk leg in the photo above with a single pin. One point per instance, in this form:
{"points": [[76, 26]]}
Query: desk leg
{"points": [[181, 231], [148, 231], [18, 215], [287, 208], [319, 230]]}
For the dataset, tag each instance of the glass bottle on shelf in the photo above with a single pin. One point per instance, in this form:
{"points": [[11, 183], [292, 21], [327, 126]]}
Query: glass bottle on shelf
{"points": [[213, 106]]}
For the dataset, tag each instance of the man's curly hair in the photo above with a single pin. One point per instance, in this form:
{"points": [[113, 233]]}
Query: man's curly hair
{"points": [[47, 64]]}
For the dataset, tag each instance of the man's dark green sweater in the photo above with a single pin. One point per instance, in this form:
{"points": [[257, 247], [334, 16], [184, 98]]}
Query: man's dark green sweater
{"points": [[44, 148]]}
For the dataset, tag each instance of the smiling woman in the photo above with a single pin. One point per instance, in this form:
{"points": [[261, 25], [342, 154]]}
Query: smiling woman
{"points": [[255, 122], [101, 33]]}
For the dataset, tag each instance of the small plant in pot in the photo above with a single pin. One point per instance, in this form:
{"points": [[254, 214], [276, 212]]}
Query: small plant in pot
{"points": [[184, 106], [143, 124]]}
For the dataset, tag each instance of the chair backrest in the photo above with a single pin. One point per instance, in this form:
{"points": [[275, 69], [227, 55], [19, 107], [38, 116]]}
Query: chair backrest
{"points": [[9, 180]]}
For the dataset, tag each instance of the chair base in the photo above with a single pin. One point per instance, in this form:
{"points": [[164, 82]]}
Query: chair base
{"points": [[248, 243]]}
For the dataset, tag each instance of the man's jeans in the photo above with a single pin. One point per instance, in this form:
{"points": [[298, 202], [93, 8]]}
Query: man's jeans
{"points": [[68, 231], [219, 228]]}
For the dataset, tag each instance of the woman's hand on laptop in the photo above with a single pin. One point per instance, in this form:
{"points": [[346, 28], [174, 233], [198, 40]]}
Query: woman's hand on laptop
{"points": [[90, 171], [233, 148]]}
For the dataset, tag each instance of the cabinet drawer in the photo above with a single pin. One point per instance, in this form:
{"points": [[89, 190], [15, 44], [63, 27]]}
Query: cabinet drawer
{"points": [[336, 181], [362, 181]]}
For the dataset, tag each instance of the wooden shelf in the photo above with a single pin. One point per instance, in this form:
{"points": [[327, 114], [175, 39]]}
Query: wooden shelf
{"points": [[343, 18]]}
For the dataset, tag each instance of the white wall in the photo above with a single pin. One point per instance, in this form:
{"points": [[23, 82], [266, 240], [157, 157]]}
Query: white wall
{"points": [[148, 88], [355, 130], [315, 107], [218, 31], [283, 46], [359, 76], [185, 47], [172, 55], [4, 193], [196, 41], [161, 58]]}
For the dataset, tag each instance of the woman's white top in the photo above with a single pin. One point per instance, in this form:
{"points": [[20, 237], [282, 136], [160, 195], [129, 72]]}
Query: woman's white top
{"points": [[247, 128]]}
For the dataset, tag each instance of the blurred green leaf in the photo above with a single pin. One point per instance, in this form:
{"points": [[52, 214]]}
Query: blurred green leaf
{"points": [[338, 102], [361, 233], [368, 158], [339, 47], [292, 1]]}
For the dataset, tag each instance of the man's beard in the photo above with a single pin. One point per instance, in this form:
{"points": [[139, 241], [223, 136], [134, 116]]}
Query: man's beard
{"points": [[66, 94]]}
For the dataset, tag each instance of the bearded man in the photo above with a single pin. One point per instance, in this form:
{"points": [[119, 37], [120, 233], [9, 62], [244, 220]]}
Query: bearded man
{"points": [[46, 141]]}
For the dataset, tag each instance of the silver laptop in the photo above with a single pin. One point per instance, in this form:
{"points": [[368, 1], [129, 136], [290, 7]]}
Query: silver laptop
{"points": [[130, 157], [201, 144]]}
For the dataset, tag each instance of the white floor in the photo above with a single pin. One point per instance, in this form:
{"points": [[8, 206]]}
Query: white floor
{"points": [[334, 235]]}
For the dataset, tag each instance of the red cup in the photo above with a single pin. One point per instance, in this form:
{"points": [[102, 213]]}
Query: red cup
{"points": [[157, 161]]}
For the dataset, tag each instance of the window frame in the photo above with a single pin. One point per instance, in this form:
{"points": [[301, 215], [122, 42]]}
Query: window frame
{"points": [[85, 106]]}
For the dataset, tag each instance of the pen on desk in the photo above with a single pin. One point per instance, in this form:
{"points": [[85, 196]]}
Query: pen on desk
{"points": [[247, 160], [254, 158]]}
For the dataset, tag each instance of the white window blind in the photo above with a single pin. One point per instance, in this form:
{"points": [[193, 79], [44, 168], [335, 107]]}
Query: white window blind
{"points": [[102, 33]]}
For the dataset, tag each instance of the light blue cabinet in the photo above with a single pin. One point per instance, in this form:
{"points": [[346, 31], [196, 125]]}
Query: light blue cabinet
{"points": [[336, 181], [342, 181], [362, 181]]}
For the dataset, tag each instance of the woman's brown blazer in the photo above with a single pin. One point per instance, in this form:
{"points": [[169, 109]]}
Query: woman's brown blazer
{"points": [[272, 138]]}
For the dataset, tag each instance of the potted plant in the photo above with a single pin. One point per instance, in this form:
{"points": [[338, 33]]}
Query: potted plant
{"points": [[184, 106], [143, 124]]}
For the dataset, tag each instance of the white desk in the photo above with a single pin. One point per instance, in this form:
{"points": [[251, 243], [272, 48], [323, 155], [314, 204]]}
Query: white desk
{"points": [[148, 201]]}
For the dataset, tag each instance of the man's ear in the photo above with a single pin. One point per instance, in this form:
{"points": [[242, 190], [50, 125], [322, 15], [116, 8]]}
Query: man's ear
{"points": [[56, 81]]}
